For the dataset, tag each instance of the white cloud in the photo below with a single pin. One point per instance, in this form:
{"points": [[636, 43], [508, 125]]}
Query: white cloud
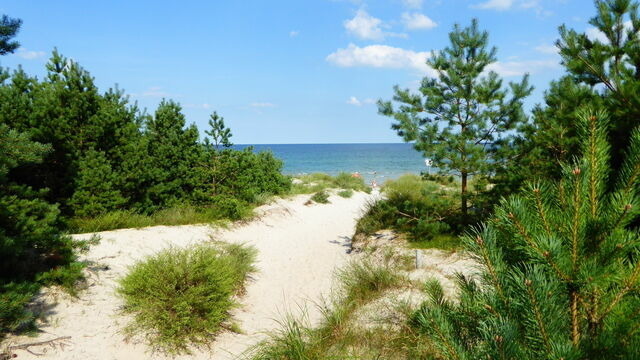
{"points": [[412, 4], [356, 102], [416, 21], [262, 105], [381, 56], [29, 54], [519, 68], [500, 5], [198, 106], [546, 49], [365, 26], [154, 92], [294, 33]]}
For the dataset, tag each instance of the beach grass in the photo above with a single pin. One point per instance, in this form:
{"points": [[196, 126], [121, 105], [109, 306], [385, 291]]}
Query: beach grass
{"points": [[345, 193], [339, 334], [312, 183], [181, 297]]}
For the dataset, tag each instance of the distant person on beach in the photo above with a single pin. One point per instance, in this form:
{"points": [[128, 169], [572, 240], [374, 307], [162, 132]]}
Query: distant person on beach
{"points": [[356, 175]]}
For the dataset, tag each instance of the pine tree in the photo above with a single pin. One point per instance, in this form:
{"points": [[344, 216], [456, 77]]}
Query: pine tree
{"points": [[560, 267], [458, 115], [610, 64], [219, 132], [96, 191], [9, 27], [174, 155]]}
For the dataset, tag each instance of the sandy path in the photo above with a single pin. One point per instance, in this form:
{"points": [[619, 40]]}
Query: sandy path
{"points": [[299, 247]]}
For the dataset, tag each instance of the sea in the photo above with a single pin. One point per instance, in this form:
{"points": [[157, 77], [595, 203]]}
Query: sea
{"points": [[378, 162]]}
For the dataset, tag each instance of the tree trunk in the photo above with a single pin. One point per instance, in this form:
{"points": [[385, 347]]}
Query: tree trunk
{"points": [[463, 193]]}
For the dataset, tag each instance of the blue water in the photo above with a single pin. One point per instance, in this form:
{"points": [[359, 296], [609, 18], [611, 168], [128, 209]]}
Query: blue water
{"points": [[373, 161]]}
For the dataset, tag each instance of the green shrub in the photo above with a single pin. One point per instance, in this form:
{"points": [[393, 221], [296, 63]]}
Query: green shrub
{"points": [[345, 193], [419, 208], [321, 197], [181, 297]]}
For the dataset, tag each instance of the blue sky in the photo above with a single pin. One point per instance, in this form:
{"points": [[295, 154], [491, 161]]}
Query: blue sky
{"points": [[284, 71]]}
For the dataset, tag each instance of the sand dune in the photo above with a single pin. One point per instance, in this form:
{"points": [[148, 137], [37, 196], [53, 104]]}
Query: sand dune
{"points": [[299, 247]]}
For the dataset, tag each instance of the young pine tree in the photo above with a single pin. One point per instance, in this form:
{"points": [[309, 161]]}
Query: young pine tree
{"points": [[560, 274], [96, 192], [456, 116]]}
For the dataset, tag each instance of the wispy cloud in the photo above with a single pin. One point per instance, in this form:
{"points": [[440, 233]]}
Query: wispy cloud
{"points": [[380, 56], [29, 54], [417, 21], [499, 5], [356, 102], [262, 105], [198, 106], [546, 49], [294, 33], [412, 4], [519, 68], [152, 92]]}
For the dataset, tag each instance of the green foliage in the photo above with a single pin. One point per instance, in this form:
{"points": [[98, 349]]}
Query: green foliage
{"points": [[174, 154], [345, 193], [8, 29], [219, 132], [560, 268], [33, 252], [96, 192], [315, 182], [321, 197], [181, 297], [456, 115], [422, 209]]}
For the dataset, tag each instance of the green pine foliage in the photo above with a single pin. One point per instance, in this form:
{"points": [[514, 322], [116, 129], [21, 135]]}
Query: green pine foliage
{"points": [[96, 192], [459, 113], [9, 27], [33, 251], [560, 270]]}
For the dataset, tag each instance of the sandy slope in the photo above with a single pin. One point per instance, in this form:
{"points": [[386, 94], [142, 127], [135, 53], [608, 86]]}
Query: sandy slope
{"points": [[299, 247]]}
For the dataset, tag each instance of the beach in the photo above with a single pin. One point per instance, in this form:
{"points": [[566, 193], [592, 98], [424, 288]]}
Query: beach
{"points": [[299, 248]]}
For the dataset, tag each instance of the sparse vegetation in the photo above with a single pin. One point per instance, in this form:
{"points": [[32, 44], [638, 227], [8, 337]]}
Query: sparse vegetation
{"points": [[312, 183], [345, 193], [337, 337], [181, 298]]}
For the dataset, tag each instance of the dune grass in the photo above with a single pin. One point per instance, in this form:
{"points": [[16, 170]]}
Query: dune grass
{"points": [[180, 298], [312, 183], [345, 193], [338, 336], [179, 215]]}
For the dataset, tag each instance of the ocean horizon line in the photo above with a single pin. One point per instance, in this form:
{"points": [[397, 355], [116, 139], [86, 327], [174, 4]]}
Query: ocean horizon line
{"points": [[334, 143]]}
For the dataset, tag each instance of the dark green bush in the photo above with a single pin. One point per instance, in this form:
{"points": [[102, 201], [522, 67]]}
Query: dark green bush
{"points": [[181, 297], [321, 197], [414, 206]]}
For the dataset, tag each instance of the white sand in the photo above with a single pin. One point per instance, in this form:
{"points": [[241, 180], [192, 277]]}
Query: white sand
{"points": [[299, 247]]}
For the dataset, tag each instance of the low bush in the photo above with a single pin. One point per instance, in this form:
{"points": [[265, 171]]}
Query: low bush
{"points": [[321, 197], [345, 193], [422, 209], [181, 297]]}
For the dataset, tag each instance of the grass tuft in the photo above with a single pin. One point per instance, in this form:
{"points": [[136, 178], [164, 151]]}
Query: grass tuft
{"points": [[345, 193], [180, 297]]}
